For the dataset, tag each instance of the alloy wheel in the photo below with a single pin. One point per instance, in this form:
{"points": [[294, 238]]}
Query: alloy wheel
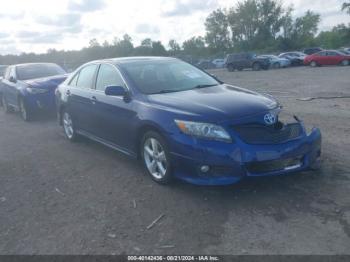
{"points": [[313, 64], [345, 62], [155, 158], [23, 110], [68, 125]]}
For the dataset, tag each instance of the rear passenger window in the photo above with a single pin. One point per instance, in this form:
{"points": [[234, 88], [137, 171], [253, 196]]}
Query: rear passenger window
{"points": [[108, 76], [86, 76]]}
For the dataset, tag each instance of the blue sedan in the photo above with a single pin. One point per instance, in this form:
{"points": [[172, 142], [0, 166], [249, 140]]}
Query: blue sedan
{"points": [[30, 88], [182, 122]]}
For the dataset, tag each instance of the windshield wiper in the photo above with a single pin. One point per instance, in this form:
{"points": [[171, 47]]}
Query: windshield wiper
{"points": [[204, 86], [167, 91]]}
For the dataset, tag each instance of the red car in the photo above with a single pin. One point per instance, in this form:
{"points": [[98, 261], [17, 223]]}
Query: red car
{"points": [[327, 57]]}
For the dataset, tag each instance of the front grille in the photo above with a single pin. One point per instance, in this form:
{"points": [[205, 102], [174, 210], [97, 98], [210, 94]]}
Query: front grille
{"points": [[274, 165], [260, 134]]}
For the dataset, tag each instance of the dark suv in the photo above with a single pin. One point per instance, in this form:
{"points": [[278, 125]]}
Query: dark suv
{"points": [[312, 50], [246, 60]]}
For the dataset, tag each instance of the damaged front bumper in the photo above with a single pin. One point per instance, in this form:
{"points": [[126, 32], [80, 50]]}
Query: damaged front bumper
{"points": [[228, 163]]}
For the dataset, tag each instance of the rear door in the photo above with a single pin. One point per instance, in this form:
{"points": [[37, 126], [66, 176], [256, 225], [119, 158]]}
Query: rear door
{"points": [[80, 92], [333, 58], [113, 116]]}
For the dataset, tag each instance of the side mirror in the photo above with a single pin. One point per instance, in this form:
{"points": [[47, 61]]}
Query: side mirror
{"points": [[115, 91], [12, 79]]}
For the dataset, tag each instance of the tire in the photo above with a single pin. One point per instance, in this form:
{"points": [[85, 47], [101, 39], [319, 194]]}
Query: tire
{"points": [[230, 68], [276, 65], [256, 67], [7, 109], [313, 64], [26, 115], [240, 68], [345, 62], [68, 126], [156, 158]]}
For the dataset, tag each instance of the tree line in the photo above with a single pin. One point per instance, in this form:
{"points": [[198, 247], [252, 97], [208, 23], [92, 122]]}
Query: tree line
{"points": [[251, 25]]}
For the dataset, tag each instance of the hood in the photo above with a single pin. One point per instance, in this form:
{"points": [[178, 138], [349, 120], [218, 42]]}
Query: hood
{"points": [[215, 104], [47, 82]]}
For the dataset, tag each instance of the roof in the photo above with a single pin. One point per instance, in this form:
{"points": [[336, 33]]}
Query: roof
{"points": [[28, 64], [124, 60]]}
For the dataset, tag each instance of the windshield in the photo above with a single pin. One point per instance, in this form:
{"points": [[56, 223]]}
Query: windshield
{"points": [[153, 77], [25, 72]]}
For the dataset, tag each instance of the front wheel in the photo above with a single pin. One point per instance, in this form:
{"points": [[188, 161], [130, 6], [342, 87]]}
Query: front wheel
{"points": [[68, 126], [156, 159], [230, 68], [256, 66], [25, 113], [276, 65], [345, 62], [6, 107], [313, 64]]}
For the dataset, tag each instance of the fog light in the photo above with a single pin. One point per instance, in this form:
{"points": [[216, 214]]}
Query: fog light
{"points": [[205, 169]]}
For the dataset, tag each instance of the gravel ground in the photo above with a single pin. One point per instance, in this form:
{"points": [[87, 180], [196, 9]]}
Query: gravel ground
{"points": [[58, 197]]}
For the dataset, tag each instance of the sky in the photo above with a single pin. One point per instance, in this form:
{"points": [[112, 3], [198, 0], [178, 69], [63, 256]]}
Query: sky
{"points": [[38, 25]]}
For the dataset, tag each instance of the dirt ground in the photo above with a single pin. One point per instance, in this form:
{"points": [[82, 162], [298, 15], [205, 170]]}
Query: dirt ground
{"points": [[58, 197]]}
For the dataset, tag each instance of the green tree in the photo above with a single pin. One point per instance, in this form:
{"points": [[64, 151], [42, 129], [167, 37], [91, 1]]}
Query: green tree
{"points": [[158, 49], [147, 42], [346, 7], [94, 43], [217, 33], [174, 47], [194, 46], [305, 29]]}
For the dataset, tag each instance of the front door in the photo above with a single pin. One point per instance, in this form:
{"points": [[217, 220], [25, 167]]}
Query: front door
{"points": [[113, 116]]}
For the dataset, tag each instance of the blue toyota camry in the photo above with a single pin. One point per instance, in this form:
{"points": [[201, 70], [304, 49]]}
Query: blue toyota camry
{"points": [[182, 122], [30, 88]]}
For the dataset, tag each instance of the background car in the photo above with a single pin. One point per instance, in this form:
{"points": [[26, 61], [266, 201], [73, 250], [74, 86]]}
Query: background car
{"points": [[277, 62], [296, 58], [312, 50], [29, 88], [183, 123], [327, 57], [219, 63], [2, 72], [205, 64], [246, 60]]}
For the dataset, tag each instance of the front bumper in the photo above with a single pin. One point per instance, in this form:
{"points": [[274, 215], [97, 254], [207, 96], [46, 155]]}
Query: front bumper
{"points": [[41, 102], [230, 163]]}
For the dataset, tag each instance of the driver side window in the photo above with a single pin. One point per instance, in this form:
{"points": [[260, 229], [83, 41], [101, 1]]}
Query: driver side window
{"points": [[108, 76]]}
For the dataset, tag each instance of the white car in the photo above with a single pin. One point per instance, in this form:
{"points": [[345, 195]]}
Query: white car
{"points": [[219, 63]]}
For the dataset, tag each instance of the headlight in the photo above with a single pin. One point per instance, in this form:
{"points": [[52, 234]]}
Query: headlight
{"points": [[204, 130], [308, 129], [36, 90]]}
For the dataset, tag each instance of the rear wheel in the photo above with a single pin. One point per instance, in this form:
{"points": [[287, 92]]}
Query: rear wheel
{"points": [[155, 156], [230, 68], [68, 126], [313, 64], [276, 65], [345, 62], [256, 66]]}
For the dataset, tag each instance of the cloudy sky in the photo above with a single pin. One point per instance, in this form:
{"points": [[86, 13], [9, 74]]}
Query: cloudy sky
{"points": [[37, 25]]}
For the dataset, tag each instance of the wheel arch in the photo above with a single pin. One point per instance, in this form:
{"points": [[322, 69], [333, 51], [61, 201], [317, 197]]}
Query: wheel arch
{"points": [[143, 129]]}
